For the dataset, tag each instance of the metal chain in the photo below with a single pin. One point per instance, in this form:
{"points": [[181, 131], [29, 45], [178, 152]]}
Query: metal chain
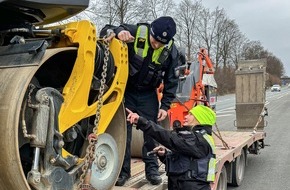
{"points": [[263, 113], [90, 151], [102, 87], [220, 137]]}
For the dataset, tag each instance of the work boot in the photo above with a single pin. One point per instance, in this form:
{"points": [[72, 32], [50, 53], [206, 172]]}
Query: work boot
{"points": [[154, 179], [122, 180]]}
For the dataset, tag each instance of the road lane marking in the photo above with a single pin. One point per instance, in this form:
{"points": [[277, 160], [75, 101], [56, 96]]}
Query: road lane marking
{"points": [[224, 115]]}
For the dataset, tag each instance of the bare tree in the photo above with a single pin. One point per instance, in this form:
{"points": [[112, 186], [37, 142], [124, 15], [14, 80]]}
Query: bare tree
{"points": [[237, 48], [230, 34], [254, 50], [275, 67], [187, 17], [226, 34], [152, 9], [207, 27], [113, 12]]}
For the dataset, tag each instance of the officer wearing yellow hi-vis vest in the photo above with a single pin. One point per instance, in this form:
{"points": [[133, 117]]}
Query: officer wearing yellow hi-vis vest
{"points": [[189, 155], [153, 58]]}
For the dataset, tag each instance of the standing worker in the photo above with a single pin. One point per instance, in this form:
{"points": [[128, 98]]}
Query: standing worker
{"points": [[153, 58], [190, 158]]}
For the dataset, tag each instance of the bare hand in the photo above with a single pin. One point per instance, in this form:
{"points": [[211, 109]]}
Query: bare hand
{"points": [[132, 117], [161, 115], [125, 36], [110, 35], [160, 150]]}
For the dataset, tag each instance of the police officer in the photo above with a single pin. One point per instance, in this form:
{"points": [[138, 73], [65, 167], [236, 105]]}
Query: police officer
{"points": [[190, 154], [152, 60]]}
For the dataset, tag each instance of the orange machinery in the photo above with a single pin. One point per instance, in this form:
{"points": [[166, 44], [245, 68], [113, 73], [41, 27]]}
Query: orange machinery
{"points": [[196, 86]]}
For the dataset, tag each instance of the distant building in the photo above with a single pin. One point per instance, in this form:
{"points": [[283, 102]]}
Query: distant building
{"points": [[285, 80]]}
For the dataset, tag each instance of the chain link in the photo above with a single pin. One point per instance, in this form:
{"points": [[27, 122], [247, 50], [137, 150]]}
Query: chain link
{"points": [[90, 151], [219, 136]]}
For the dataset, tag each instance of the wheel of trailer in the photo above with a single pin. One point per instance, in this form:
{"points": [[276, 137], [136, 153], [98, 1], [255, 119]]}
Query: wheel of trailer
{"points": [[239, 167], [222, 182], [106, 160]]}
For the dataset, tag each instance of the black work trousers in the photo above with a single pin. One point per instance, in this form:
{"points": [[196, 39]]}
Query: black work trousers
{"points": [[146, 104]]}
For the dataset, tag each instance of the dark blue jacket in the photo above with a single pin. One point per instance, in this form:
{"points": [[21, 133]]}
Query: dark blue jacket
{"points": [[168, 68], [185, 144]]}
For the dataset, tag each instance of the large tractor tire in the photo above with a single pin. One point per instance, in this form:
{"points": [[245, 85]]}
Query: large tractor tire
{"points": [[50, 73]]}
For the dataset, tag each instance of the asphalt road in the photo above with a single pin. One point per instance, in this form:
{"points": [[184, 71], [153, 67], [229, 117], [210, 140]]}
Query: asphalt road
{"points": [[270, 170]]}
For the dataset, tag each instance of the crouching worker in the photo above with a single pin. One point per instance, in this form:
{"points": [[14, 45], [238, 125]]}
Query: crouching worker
{"points": [[189, 155]]}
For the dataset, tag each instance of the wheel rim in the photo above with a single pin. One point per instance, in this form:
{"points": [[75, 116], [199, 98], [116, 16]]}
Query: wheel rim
{"points": [[241, 167], [104, 170], [222, 182]]}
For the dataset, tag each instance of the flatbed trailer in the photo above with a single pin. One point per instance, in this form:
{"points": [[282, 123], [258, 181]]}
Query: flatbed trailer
{"points": [[230, 167], [231, 162]]}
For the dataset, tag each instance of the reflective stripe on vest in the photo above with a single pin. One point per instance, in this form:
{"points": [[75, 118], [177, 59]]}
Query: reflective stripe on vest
{"points": [[212, 161], [141, 46], [141, 37]]}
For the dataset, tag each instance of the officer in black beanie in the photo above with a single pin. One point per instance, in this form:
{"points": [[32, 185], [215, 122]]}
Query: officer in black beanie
{"points": [[153, 58], [163, 29]]}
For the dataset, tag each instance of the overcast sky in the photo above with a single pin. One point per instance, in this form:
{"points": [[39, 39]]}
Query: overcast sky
{"points": [[267, 21]]}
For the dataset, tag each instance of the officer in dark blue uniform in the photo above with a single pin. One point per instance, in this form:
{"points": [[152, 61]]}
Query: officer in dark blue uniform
{"points": [[190, 154], [153, 58]]}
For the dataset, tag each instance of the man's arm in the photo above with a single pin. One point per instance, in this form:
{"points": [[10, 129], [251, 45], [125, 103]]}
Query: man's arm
{"points": [[171, 139], [170, 80], [126, 32]]}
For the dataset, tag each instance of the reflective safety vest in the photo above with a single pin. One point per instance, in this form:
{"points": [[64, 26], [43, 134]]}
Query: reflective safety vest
{"points": [[202, 169], [212, 158], [141, 46], [159, 56]]}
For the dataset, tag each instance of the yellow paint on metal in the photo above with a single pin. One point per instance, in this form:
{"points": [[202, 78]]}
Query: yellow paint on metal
{"points": [[75, 106]]}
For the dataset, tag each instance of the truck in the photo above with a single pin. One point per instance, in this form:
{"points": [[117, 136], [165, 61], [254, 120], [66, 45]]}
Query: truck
{"points": [[62, 115]]}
